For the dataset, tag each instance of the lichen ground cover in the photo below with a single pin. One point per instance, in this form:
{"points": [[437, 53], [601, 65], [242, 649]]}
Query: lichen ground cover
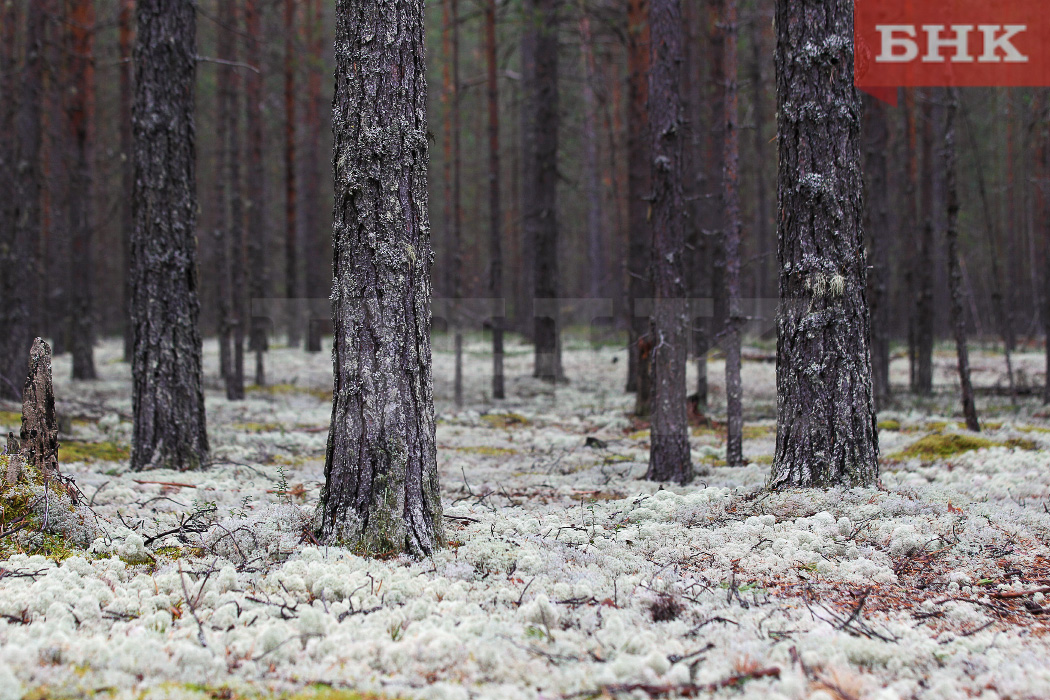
{"points": [[565, 576]]}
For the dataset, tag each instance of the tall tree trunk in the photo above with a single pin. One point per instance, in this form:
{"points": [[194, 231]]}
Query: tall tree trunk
{"points": [[877, 223], [669, 458], [638, 234], [230, 223], [495, 209], [18, 312], [931, 186], [826, 433], [256, 191], [9, 27], [541, 208], [1044, 199], [291, 220], [453, 180], [81, 117], [168, 403], [318, 261], [765, 239], [731, 202], [381, 489], [955, 271], [591, 166], [127, 167], [912, 235]]}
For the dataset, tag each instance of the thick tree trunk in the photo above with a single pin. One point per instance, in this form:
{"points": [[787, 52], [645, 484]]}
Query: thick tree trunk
{"points": [[826, 432], [731, 202], [127, 166], [954, 268], [541, 207], [669, 458], [18, 314], [256, 191], [495, 208], [381, 489], [877, 223], [638, 234], [81, 117], [168, 403], [291, 220], [318, 260]]}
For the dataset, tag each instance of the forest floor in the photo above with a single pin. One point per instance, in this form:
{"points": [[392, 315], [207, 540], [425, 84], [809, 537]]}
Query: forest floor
{"points": [[566, 576]]}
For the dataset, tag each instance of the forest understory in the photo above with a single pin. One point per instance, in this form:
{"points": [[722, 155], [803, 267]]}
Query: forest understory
{"points": [[566, 575]]}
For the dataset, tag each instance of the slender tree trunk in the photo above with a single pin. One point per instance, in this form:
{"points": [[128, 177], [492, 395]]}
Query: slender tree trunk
{"points": [[669, 458], [381, 491], [18, 313], [955, 271], [453, 191], [9, 277], [924, 319], [168, 403], [638, 234], [318, 261], [765, 238], [495, 209], [877, 223], [591, 166], [826, 433], [127, 166], [731, 201], [81, 117], [256, 191], [541, 149], [291, 221], [1044, 190], [913, 236]]}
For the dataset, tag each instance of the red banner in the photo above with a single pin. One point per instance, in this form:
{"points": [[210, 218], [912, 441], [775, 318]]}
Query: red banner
{"points": [[977, 43]]}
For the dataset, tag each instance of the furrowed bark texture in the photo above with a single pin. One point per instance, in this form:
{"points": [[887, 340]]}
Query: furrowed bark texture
{"points": [[39, 434], [168, 403], [669, 458], [18, 243], [825, 411], [638, 286], [954, 268], [495, 206], [877, 223], [541, 208], [381, 483], [731, 202]]}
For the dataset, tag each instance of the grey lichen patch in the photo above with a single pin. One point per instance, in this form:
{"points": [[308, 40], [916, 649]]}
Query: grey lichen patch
{"points": [[826, 285]]}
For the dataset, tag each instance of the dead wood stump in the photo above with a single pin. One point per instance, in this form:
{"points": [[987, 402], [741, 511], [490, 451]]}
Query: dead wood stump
{"points": [[39, 436]]}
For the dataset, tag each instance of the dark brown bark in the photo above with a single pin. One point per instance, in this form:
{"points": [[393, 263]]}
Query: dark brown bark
{"points": [[911, 233], [826, 432], [954, 268], [453, 180], [877, 225], [126, 20], [932, 197], [495, 208], [695, 94], [81, 116], [764, 235], [18, 312], [9, 24], [291, 221], [1044, 200], [168, 404], [256, 190], [541, 170], [731, 202], [591, 166], [669, 458], [38, 438], [638, 235], [381, 489], [318, 259]]}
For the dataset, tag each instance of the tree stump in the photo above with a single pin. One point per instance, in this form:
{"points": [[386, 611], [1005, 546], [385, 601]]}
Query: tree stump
{"points": [[39, 436]]}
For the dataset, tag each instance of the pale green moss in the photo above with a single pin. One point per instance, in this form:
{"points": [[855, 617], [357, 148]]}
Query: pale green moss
{"points": [[290, 390], [92, 452], [940, 446], [486, 451], [505, 420], [889, 425]]}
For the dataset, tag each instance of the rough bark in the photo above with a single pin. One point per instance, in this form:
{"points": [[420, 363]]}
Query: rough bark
{"points": [[638, 285], [81, 116], [318, 260], [168, 404], [731, 202], [826, 433], [954, 268], [877, 225], [495, 207], [127, 166], [18, 311], [381, 489], [669, 458], [256, 190], [38, 438], [291, 220], [541, 202]]}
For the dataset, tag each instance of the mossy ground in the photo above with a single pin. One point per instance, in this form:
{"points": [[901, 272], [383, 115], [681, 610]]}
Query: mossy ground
{"points": [[92, 452], [290, 390], [939, 446], [505, 420]]}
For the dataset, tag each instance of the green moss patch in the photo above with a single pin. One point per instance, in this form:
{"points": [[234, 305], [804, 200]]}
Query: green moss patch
{"points": [[889, 425], [486, 450], [10, 418], [290, 390], [505, 420], [92, 452], [940, 446]]}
